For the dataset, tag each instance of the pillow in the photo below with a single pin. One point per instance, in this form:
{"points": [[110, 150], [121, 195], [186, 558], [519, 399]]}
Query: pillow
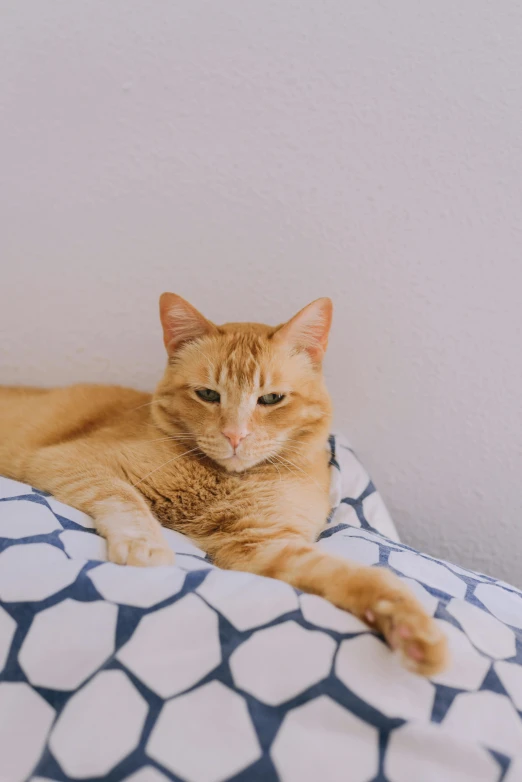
{"points": [[194, 673]]}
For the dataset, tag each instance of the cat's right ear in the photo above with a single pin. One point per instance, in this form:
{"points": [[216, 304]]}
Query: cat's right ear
{"points": [[308, 330], [181, 322]]}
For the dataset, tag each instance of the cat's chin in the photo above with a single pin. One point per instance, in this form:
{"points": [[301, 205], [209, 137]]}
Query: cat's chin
{"points": [[236, 464]]}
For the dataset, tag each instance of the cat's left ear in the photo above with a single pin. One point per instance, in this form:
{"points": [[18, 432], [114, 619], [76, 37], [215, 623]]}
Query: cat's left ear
{"points": [[309, 329], [181, 322]]}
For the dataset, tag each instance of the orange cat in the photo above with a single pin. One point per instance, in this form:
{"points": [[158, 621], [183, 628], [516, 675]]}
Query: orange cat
{"points": [[230, 450]]}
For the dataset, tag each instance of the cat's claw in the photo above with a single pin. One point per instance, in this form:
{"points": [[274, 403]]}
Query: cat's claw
{"points": [[140, 552]]}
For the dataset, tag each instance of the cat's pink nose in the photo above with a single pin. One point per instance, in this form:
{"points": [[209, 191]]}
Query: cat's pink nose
{"points": [[235, 436]]}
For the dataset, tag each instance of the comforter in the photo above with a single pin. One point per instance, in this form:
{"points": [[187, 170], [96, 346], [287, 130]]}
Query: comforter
{"points": [[198, 674]]}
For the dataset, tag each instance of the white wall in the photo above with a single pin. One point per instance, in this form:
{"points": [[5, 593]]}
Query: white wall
{"points": [[255, 155]]}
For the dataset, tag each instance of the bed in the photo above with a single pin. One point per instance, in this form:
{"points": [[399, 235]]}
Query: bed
{"points": [[197, 674]]}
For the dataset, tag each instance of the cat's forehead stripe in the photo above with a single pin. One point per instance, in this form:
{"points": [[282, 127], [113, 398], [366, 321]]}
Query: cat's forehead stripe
{"points": [[242, 363]]}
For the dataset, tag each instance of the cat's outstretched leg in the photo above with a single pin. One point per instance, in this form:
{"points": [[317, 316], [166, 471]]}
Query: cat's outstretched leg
{"points": [[374, 595]]}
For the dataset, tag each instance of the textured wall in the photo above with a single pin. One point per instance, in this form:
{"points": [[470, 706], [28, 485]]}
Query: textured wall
{"points": [[252, 156]]}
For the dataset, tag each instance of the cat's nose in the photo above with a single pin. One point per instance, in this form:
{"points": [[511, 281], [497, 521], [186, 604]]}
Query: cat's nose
{"points": [[235, 436]]}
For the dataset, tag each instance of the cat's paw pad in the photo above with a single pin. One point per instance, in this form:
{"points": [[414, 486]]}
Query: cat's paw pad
{"points": [[140, 552], [412, 633]]}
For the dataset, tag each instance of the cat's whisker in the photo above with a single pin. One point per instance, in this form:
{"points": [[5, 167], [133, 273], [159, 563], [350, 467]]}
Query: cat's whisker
{"points": [[299, 441], [164, 465], [277, 468], [301, 470], [290, 449], [278, 458], [175, 438], [147, 404]]}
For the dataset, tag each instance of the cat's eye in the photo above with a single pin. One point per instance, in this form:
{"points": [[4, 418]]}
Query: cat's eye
{"points": [[208, 394], [270, 399]]}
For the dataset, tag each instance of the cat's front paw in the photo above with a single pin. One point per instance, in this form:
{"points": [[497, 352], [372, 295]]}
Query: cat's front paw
{"points": [[140, 552], [387, 605], [411, 632]]}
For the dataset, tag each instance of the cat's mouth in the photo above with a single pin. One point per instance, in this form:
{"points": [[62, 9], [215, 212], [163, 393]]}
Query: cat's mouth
{"points": [[242, 458], [232, 460]]}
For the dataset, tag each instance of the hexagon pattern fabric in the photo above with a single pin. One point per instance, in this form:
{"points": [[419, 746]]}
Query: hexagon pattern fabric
{"points": [[194, 674]]}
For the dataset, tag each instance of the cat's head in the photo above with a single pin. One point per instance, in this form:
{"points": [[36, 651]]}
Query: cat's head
{"points": [[244, 393]]}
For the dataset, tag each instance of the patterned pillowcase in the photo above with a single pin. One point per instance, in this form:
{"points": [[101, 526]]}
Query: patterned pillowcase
{"points": [[198, 674], [353, 497]]}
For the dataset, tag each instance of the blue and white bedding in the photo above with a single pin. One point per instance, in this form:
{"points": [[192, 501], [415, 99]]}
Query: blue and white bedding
{"points": [[197, 674]]}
